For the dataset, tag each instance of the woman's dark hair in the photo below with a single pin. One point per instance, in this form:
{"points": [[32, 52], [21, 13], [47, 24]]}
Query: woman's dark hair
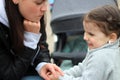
{"points": [[106, 17], [16, 25]]}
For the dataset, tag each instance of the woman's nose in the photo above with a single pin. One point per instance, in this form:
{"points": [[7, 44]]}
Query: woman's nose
{"points": [[44, 7]]}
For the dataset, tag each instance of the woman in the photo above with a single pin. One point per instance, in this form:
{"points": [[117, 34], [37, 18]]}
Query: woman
{"points": [[23, 39]]}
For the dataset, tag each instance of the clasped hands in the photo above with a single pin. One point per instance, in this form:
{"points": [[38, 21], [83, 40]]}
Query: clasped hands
{"points": [[50, 72]]}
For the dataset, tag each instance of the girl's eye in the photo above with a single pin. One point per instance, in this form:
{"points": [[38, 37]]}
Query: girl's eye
{"points": [[91, 34]]}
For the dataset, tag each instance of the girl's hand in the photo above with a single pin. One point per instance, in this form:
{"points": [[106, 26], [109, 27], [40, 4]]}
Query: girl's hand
{"points": [[30, 26]]}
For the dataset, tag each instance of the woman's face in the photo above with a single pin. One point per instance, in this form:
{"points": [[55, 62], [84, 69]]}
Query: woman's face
{"points": [[32, 10], [94, 36]]}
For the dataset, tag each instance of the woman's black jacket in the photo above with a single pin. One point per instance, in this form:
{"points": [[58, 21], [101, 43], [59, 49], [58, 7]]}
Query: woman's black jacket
{"points": [[15, 66]]}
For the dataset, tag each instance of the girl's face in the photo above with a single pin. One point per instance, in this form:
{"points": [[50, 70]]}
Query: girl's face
{"points": [[32, 10], [93, 36]]}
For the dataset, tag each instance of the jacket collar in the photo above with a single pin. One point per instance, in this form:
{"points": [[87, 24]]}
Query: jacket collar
{"points": [[3, 16]]}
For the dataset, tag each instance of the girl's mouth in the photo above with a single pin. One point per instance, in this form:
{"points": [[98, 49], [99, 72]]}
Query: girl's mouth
{"points": [[90, 45]]}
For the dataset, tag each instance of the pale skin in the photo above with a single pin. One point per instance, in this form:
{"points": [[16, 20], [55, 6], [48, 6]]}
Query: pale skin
{"points": [[94, 37], [51, 76], [32, 11], [51, 69]]}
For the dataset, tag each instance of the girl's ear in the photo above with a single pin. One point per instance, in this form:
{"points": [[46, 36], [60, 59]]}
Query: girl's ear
{"points": [[113, 37], [15, 1]]}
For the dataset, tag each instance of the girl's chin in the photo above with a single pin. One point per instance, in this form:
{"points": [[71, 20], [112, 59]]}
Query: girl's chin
{"points": [[90, 47]]}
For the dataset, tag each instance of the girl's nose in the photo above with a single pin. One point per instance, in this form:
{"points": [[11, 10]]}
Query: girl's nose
{"points": [[85, 37]]}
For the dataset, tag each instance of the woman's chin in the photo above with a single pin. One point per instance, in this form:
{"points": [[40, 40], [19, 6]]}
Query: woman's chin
{"points": [[34, 20]]}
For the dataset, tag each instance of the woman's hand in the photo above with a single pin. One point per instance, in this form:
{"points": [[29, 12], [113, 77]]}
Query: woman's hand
{"points": [[50, 68], [51, 76], [30, 26]]}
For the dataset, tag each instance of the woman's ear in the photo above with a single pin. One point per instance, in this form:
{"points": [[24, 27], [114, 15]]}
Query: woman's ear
{"points": [[15, 1], [113, 37]]}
